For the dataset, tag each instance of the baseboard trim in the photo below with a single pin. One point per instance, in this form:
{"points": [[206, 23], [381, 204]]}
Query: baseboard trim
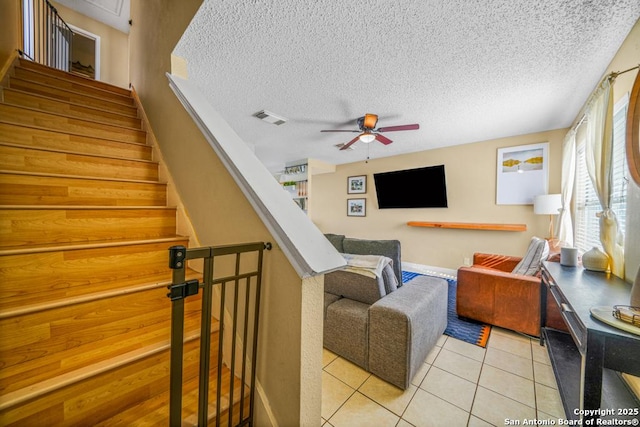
{"points": [[430, 270], [266, 407]]}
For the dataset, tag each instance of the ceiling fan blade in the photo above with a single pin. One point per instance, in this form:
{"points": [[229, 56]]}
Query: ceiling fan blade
{"points": [[397, 128], [383, 139], [339, 130], [350, 143]]}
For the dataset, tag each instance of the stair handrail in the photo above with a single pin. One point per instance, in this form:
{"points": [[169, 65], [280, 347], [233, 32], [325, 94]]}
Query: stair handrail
{"points": [[46, 37]]}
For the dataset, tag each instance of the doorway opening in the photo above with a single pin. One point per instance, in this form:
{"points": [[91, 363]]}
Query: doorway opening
{"points": [[85, 53]]}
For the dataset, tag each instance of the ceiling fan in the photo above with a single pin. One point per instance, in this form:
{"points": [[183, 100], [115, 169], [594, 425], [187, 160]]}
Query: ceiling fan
{"points": [[368, 132]]}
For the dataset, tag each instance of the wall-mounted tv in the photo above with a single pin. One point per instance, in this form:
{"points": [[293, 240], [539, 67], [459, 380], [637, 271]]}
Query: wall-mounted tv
{"points": [[412, 188]]}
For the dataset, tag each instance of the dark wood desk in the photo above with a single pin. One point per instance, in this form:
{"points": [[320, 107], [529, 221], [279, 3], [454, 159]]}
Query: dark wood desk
{"points": [[586, 359]]}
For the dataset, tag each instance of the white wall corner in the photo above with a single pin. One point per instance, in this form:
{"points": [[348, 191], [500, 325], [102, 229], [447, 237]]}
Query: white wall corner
{"points": [[311, 350], [179, 67]]}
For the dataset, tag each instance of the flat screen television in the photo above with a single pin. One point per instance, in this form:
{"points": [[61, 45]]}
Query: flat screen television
{"points": [[412, 188]]}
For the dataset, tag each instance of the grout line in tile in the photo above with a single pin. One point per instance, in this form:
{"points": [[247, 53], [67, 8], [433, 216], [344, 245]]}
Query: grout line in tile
{"points": [[350, 386], [509, 372], [508, 397], [342, 404], [475, 392], [419, 386]]}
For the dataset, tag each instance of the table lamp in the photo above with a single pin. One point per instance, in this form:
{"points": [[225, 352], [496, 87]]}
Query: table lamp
{"points": [[548, 204]]}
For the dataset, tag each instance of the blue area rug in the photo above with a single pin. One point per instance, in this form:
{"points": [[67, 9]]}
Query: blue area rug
{"points": [[465, 330]]}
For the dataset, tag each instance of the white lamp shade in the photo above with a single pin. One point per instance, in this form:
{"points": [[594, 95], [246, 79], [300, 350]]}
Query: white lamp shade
{"points": [[367, 137], [547, 204]]}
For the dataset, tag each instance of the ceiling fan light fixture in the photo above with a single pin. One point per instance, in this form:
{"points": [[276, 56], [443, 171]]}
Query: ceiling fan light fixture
{"points": [[367, 137]]}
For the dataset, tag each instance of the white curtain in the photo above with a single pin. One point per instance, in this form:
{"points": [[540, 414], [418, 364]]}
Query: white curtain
{"points": [[599, 155], [565, 224]]}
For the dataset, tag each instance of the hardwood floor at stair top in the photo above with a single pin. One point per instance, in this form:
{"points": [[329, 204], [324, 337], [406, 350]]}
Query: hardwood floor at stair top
{"points": [[17, 158], [36, 76], [49, 121], [43, 69], [43, 103], [22, 189], [74, 97], [45, 139]]}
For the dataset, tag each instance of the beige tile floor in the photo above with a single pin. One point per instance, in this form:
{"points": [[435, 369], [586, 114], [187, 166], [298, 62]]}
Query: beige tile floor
{"points": [[460, 384]]}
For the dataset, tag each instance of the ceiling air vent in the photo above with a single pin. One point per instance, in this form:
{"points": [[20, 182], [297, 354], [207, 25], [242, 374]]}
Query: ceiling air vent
{"points": [[269, 117]]}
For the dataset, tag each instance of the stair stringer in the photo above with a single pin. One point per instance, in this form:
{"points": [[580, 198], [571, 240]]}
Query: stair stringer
{"points": [[184, 226]]}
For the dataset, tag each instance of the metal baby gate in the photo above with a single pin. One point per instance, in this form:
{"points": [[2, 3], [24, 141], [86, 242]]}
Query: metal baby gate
{"points": [[236, 292]]}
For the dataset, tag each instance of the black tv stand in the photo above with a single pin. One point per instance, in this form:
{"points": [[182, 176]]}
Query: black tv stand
{"points": [[587, 357]]}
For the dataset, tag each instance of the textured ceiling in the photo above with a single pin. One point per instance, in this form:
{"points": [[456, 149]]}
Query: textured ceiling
{"points": [[464, 70]]}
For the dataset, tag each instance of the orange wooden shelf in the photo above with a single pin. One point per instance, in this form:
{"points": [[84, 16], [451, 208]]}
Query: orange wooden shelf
{"points": [[469, 226]]}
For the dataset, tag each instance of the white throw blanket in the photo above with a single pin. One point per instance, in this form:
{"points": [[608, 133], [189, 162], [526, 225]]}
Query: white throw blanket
{"points": [[366, 265]]}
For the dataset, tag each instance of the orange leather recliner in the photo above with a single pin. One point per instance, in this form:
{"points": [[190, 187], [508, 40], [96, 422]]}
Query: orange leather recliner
{"points": [[488, 292]]}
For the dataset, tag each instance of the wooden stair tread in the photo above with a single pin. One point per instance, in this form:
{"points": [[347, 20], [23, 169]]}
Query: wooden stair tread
{"points": [[77, 153], [36, 275], [54, 141], [99, 125], [29, 227], [63, 94], [69, 109], [27, 136], [88, 340], [49, 121], [54, 247], [69, 84], [74, 207], [240, 393], [156, 410], [12, 307], [139, 284], [77, 177], [19, 188], [11, 399], [53, 162], [71, 342], [103, 395], [25, 63]]}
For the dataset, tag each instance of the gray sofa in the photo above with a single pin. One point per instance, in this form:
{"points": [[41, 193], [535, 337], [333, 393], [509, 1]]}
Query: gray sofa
{"points": [[378, 323]]}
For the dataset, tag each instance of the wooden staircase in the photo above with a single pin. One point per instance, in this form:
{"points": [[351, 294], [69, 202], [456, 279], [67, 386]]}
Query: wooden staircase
{"points": [[84, 233]]}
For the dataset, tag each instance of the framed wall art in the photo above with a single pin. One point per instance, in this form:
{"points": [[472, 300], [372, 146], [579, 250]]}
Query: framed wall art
{"points": [[356, 207], [522, 173], [357, 184]]}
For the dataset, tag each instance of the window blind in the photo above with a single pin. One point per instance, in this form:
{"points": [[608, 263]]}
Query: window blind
{"points": [[587, 224]]}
